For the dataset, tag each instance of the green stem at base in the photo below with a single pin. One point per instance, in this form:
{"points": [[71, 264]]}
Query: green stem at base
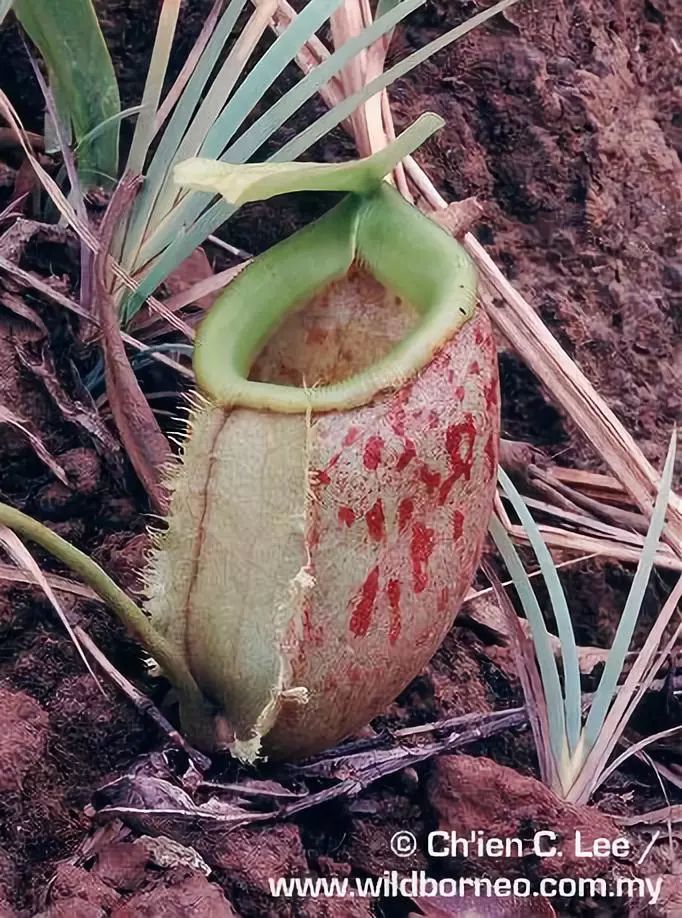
{"points": [[196, 718]]}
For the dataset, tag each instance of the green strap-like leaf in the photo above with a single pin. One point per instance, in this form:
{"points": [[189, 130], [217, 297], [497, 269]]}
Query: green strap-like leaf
{"points": [[385, 6], [543, 649], [273, 62], [569, 650], [156, 75], [71, 43], [251, 140], [176, 128], [621, 642]]}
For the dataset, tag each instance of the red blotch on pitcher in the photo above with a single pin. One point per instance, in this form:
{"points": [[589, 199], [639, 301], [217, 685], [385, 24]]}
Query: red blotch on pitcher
{"points": [[421, 548], [361, 618], [405, 511], [346, 516], [393, 593], [375, 521], [459, 442], [407, 455], [372, 455]]}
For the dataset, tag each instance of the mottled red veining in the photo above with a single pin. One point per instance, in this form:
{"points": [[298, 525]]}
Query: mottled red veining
{"points": [[372, 454], [316, 336], [478, 335], [330, 682], [403, 395], [424, 637], [443, 599], [397, 420], [393, 593], [434, 419], [459, 393], [445, 488], [313, 528], [475, 368], [430, 478], [405, 511], [307, 623], [491, 394], [490, 455], [313, 533], [351, 436], [323, 477], [456, 436], [457, 525], [346, 516], [407, 455], [488, 341], [421, 547], [375, 521], [362, 613], [312, 634], [440, 359], [332, 462]]}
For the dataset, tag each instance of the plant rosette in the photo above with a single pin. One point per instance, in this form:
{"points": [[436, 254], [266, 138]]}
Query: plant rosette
{"points": [[337, 478]]}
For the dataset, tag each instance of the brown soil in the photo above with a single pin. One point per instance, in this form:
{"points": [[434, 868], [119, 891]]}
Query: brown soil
{"points": [[562, 120]]}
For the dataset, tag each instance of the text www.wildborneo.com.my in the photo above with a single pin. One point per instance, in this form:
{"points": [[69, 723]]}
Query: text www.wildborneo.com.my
{"points": [[392, 885]]}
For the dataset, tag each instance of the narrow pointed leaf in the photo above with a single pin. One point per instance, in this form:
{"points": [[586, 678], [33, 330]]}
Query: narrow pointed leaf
{"points": [[540, 635], [327, 122], [176, 128], [264, 127], [191, 230], [192, 60], [569, 651], [144, 130], [626, 626], [269, 67], [227, 78], [271, 64], [383, 6]]}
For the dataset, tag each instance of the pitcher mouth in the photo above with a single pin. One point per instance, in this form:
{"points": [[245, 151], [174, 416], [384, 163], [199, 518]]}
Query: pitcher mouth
{"points": [[343, 329], [405, 251]]}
